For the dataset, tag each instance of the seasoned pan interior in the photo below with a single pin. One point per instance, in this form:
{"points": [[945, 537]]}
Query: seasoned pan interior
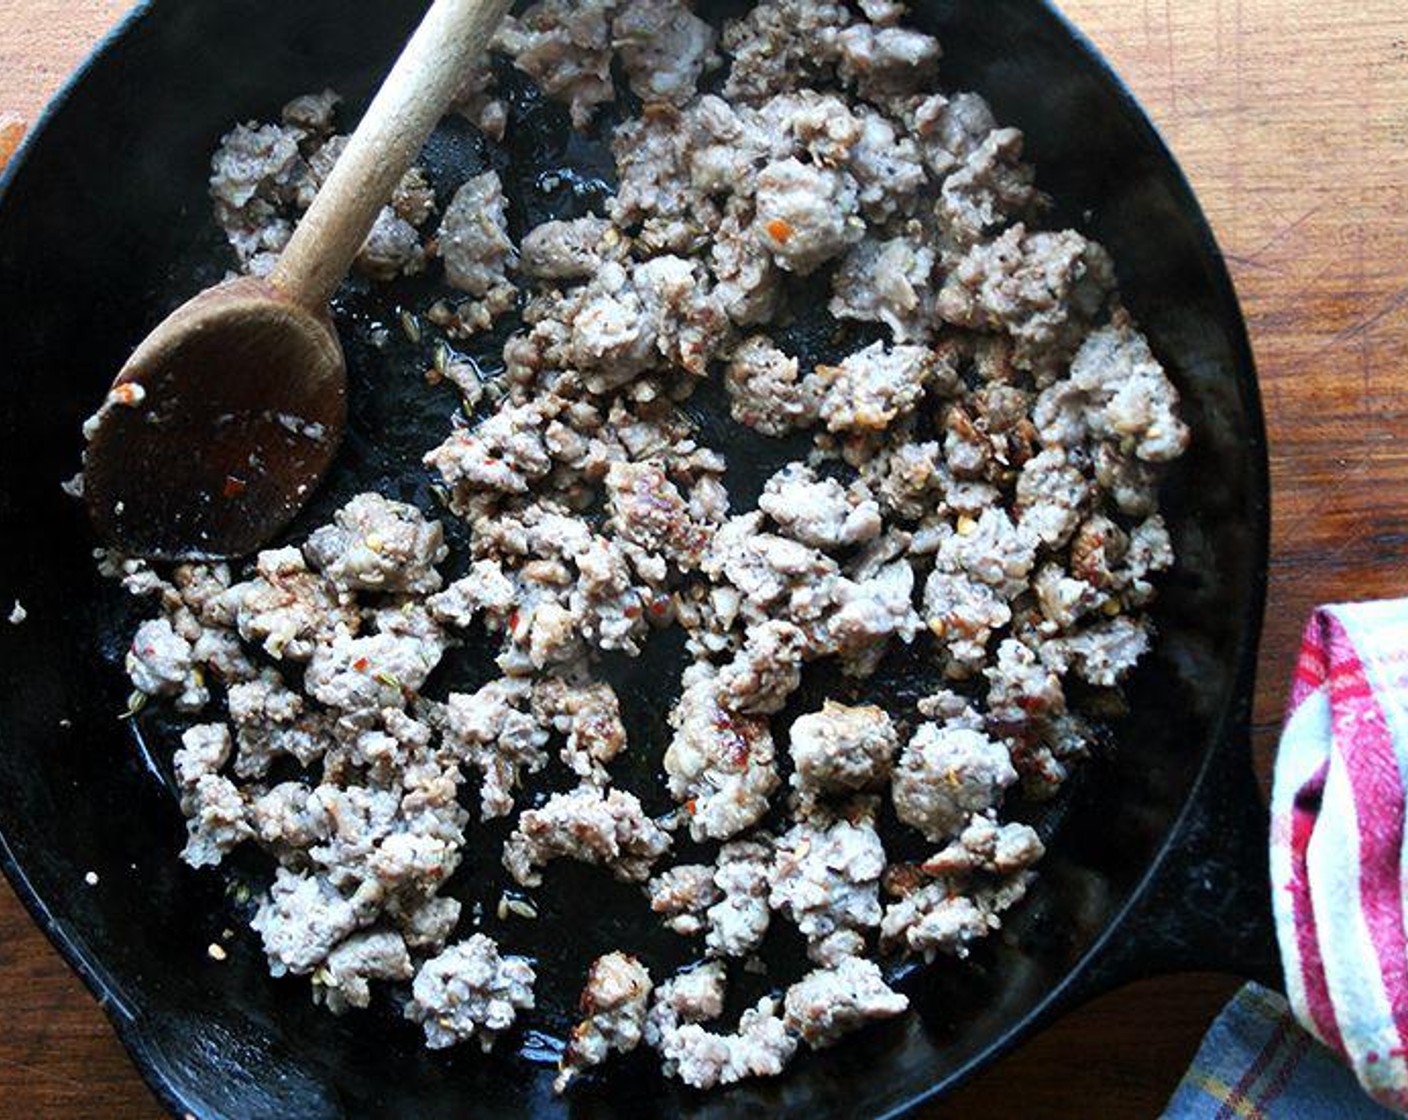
{"points": [[106, 227]]}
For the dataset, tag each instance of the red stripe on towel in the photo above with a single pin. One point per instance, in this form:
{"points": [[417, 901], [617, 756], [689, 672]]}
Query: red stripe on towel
{"points": [[1312, 965], [1311, 665]]}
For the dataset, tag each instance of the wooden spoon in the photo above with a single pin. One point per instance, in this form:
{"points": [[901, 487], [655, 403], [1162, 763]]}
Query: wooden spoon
{"points": [[228, 415]]}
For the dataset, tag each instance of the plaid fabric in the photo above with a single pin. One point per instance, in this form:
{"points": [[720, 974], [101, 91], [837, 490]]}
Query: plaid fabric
{"points": [[1256, 1063]]}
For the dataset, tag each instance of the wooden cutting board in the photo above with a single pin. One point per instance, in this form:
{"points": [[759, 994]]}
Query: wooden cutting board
{"points": [[1291, 117]]}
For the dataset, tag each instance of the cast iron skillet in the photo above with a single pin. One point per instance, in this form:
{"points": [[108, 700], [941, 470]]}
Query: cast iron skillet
{"points": [[1156, 855]]}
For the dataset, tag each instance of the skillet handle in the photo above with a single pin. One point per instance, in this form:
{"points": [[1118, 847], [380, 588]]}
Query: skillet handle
{"points": [[1207, 907]]}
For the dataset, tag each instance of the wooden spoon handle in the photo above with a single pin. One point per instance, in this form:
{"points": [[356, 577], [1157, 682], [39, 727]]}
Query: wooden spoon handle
{"points": [[416, 94]]}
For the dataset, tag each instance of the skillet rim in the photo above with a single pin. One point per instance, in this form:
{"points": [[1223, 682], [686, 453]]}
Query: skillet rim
{"points": [[1231, 735]]}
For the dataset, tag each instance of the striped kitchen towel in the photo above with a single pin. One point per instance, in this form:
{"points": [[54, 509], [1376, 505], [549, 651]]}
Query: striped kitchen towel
{"points": [[1338, 873], [1337, 861]]}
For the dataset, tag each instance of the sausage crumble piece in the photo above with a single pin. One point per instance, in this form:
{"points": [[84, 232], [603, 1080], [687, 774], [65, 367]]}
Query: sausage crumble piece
{"points": [[615, 1002], [470, 991]]}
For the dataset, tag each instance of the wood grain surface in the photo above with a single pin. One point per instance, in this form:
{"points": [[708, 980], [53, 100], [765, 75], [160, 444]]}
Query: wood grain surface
{"points": [[1291, 118]]}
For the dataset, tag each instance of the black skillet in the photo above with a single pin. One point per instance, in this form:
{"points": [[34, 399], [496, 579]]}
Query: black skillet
{"points": [[1157, 854]]}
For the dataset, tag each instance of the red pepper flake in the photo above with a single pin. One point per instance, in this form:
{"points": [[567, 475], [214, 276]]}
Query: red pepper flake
{"points": [[632, 611], [659, 607], [512, 620], [780, 231], [361, 664], [12, 131], [234, 487], [740, 746], [691, 807]]}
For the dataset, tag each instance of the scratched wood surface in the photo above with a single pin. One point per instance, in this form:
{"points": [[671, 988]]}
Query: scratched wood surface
{"points": [[1291, 117]]}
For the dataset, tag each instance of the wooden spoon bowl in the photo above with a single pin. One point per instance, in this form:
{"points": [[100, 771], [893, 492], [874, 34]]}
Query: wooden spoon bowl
{"points": [[240, 398]]}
